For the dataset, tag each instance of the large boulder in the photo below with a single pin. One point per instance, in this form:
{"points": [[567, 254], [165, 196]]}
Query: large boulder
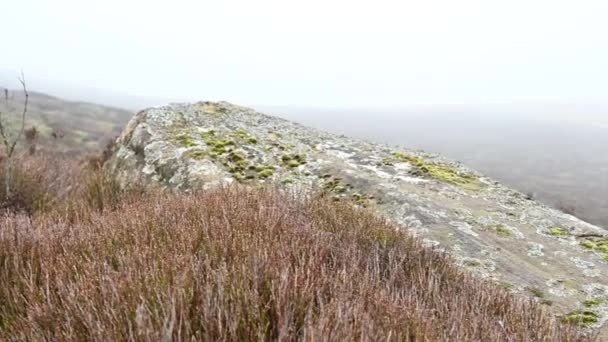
{"points": [[495, 232]]}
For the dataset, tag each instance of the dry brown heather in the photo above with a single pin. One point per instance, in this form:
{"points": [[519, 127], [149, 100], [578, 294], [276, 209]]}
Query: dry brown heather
{"points": [[237, 264]]}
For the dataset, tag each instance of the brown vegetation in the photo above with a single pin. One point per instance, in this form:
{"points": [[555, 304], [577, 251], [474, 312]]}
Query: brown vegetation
{"points": [[238, 264], [38, 182]]}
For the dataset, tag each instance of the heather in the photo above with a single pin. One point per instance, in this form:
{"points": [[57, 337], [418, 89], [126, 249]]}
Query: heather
{"points": [[239, 263]]}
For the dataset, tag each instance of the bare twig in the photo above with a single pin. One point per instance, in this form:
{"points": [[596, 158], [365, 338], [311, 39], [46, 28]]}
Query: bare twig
{"points": [[2, 134], [23, 113]]}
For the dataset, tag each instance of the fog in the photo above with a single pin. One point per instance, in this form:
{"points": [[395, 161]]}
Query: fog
{"points": [[315, 53]]}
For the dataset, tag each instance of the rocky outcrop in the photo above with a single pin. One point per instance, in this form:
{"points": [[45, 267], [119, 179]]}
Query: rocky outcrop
{"points": [[492, 230]]}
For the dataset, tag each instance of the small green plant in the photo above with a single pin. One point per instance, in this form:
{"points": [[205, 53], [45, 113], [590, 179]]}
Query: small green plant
{"points": [[235, 156], [360, 199], [293, 160], [197, 154], [602, 248], [442, 173], [219, 146], [558, 232], [185, 140], [599, 245], [240, 132], [265, 173], [299, 158], [581, 317], [588, 244], [593, 302], [252, 140], [502, 231]]}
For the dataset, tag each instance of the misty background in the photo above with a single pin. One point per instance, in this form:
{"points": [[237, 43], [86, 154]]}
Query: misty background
{"points": [[516, 90]]}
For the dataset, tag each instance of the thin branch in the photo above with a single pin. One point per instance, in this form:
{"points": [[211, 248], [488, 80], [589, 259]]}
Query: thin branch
{"points": [[25, 102], [5, 92]]}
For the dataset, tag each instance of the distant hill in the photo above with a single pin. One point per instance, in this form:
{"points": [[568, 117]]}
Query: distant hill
{"points": [[86, 127]]}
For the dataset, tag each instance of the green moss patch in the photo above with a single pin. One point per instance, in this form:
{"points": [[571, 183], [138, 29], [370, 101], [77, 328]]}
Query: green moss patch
{"points": [[334, 184], [185, 140], [582, 317], [197, 154], [361, 199], [593, 302], [588, 244], [558, 232], [240, 133], [293, 160], [293, 163], [502, 231], [442, 173], [599, 245], [339, 190], [225, 150], [265, 173], [218, 146]]}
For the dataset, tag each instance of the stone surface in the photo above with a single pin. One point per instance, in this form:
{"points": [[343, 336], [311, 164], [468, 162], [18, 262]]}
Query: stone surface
{"points": [[492, 230]]}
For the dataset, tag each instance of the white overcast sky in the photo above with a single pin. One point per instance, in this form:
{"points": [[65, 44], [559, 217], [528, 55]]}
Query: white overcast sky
{"points": [[314, 53]]}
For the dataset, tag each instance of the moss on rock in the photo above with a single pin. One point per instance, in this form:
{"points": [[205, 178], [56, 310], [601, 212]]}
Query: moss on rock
{"points": [[185, 140], [557, 231], [581, 317], [502, 231], [442, 173]]}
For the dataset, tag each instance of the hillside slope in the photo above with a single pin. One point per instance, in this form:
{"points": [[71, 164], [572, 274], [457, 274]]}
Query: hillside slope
{"points": [[85, 127], [495, 232]]}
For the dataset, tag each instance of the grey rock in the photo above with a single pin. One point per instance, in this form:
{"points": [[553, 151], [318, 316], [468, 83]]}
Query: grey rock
{"points": [[492, 230]]}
